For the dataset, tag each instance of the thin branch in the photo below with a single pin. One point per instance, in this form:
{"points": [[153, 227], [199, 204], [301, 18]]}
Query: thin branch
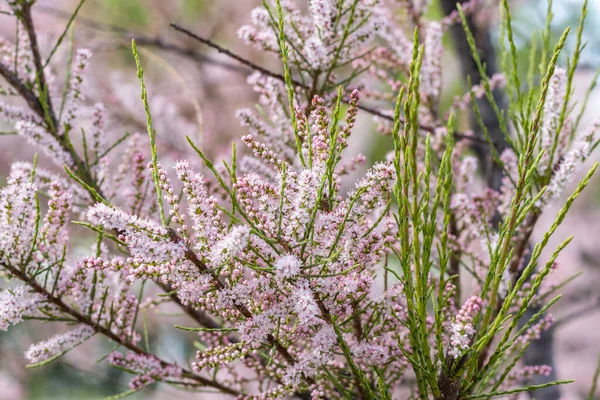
{"points": [[37, 59], [232, 55], [27, 94], [199, 316]]}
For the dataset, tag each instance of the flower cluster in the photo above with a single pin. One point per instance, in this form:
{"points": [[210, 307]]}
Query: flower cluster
{"points": [[15, 303], [462, 328], [332, 33], [148, 369], [58, 344]]}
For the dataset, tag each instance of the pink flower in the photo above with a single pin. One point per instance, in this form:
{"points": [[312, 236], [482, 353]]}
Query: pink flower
{"points": [[58, 344]]}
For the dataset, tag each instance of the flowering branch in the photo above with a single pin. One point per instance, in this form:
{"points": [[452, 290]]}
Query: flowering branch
{"points": [[277, 256]]}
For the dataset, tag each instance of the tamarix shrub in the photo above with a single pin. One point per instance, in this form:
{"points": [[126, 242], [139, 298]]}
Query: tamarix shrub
{"points": [[302, 277]]}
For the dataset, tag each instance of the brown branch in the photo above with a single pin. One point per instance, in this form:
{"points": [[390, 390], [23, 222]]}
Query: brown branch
{"points": [[522, 243], [454, 267], [58, 302], [27, 94], [356, 322], [199, 316], [25, 16]]}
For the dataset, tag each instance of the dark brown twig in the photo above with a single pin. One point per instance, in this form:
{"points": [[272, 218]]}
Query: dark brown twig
{"points": [[25, 16]]}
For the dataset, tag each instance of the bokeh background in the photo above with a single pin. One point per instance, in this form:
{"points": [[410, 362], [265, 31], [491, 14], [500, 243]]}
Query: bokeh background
{"points": [[195, 91]]}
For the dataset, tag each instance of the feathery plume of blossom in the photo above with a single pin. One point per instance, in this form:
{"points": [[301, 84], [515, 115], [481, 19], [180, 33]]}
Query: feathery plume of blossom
{"points": [[17, 220], [305, 305], [58, 344], [287, 267], [570, 164], [171, 198], [431, 73], [53, 233], [462, 328], [153, 253], [230, 246], [323, 13], [552, 112], [321, 352], [259, 35], [98, 145], [45, 180], [202, 209], [39, 136], [15, 303], [13, 113], [316, 53], [20, 56], [75, 93], [371, 353]]}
